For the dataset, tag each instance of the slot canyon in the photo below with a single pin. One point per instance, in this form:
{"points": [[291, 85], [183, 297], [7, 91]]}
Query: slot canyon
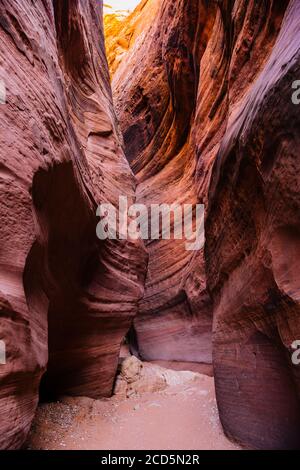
{"points": [[174, 101]]}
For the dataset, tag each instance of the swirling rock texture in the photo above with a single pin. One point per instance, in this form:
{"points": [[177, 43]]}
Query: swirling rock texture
{"points": [[63, 293], [202, 90], [204, 102], [155, 91], [252, 229], [121, 31]]}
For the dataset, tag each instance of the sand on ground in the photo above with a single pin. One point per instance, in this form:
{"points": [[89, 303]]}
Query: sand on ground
{"points": [[184, 416]]}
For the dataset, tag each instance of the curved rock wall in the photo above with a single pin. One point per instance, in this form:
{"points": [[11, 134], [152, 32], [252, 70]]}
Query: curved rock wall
{"points": [[202, 90], [60, 157], [252, 231], [155, 90], [204, 102]]}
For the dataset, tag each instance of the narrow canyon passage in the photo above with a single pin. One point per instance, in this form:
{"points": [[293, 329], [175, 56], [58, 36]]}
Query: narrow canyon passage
{"points": [[112, 341], [155, 77], [178, 334], [193, 86]]}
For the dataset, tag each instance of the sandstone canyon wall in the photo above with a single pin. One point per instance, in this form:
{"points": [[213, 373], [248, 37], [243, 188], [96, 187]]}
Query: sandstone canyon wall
{"points": [[252, 231], [155, 90], [121, 32], [66, 298], [204, 101], [202, 90]]}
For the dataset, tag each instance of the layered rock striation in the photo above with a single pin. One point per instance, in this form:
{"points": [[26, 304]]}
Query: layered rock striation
{"points": [[204, 99], [252, 229], [155, 95], [203, 93], [121, 30], [66, 298]]}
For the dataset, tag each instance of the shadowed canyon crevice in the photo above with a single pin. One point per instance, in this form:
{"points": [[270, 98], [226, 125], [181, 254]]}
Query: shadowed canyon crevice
{"points": [[198, 110]]}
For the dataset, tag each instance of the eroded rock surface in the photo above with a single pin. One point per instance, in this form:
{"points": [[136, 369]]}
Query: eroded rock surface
{"points": [[155, 90], [252, 229], [121, 30], [203, 94], [204, 102], [60, 157]]}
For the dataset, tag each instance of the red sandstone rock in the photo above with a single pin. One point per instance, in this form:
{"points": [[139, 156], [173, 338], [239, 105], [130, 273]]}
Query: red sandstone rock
{"points": [[233, 128], [155, 89], [252, 227], [203, 95], [60, 157]]}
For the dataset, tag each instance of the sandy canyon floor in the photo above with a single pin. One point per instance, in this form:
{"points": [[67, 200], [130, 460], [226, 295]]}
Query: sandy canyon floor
{"points": [[182, 416]]}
